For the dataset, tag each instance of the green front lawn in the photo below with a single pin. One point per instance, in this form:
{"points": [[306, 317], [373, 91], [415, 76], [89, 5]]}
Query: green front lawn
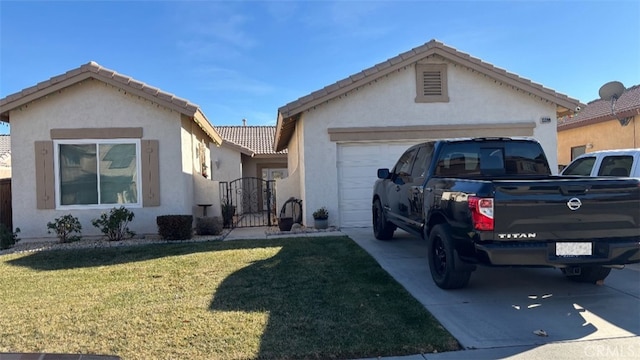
{"points": [[319, 298]]}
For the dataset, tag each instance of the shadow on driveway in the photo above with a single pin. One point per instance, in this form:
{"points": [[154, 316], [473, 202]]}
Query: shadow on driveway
{"points": [[504, 307]]}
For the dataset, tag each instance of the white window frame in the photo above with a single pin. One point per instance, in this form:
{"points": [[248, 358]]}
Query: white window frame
{"points": [[97, 142]]}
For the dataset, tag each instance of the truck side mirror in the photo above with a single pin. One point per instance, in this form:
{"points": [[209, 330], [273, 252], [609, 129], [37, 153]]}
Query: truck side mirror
{"points": [[383, 173]]}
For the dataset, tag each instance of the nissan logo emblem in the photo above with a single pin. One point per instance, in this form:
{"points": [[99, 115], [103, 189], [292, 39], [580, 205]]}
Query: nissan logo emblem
{"points": [[574, 204]]}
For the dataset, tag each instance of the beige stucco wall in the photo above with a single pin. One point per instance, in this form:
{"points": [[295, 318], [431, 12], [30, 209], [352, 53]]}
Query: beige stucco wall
{"points": [[5, 172], [606, 135], [95, 104], [473, 99], [229, 166]]}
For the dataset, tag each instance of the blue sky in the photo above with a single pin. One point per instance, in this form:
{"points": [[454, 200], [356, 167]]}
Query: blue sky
{"points": [[245, 59]]}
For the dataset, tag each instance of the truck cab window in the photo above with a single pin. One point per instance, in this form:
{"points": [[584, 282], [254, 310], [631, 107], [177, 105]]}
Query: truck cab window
{"points": [[580, 167], [616, 166], [423, 160], [402, 170]]}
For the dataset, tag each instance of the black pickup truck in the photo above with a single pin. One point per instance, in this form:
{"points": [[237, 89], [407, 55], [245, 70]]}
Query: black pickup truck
{"points": [[493, 201]]}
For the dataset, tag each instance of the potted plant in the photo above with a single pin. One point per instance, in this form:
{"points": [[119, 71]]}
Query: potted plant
{"points": [[228, 211], [321, 218]]}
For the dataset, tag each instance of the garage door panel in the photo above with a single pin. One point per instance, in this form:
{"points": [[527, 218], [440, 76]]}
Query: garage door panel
{"points": [[358, 164]]}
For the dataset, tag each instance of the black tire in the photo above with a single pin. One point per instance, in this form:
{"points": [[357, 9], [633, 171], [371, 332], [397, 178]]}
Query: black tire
{"points": [[589, 274], [442, 260], [382, 229]]}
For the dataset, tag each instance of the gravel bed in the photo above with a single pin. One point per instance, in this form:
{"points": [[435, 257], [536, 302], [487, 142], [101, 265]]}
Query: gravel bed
{"points": [[34, 245]]}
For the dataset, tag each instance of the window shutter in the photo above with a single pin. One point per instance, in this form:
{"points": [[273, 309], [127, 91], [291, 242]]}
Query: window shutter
{"points": [[431, 83], [150, 173], [45, 182]]}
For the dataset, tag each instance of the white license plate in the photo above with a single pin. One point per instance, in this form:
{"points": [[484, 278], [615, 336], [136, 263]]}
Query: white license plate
{"points": [[573, 248]]}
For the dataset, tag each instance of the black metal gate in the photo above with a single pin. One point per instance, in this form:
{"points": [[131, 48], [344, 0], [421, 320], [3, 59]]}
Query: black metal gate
{"points": [[248, 202]]}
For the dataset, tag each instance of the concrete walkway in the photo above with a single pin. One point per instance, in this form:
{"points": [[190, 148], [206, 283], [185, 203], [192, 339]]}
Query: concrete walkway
{"points": [[263, 233]]}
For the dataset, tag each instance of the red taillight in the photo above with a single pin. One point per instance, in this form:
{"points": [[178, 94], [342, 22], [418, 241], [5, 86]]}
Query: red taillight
{"points": [[481, 213]]}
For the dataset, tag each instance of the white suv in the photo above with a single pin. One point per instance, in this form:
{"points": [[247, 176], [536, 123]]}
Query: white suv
{"points": [[624, 163]]}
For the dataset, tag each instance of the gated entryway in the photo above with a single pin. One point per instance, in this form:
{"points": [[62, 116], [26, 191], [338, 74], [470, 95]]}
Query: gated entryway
{"points": [[248, 202]]}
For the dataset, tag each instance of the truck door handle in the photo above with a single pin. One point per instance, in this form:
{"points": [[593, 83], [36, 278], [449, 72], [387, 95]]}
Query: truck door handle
{"points": [[397, 187]]}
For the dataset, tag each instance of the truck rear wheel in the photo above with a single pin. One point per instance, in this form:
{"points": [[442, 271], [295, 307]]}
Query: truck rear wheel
{"points": [[382, 229], [442, 260], [588, 274]]}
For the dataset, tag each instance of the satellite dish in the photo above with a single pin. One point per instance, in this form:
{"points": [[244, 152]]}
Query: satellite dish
{"points": [[611, 90]]}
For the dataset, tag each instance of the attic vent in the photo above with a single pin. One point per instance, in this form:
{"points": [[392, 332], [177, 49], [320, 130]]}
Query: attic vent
{"points": [[431, 83]]}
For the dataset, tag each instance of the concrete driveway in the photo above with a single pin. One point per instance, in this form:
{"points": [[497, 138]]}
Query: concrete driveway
{"points": [[503, 307]]}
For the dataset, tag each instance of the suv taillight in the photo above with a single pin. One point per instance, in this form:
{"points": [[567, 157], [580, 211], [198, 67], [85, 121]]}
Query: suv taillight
{"points": [[481, 213]]}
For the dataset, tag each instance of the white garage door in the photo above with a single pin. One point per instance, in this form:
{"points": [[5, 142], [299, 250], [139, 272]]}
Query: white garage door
{"points": [[358, 164]]}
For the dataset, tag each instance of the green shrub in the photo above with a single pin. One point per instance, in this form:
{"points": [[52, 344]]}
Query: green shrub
{"points": [[208, 226], [175, 227], [64, 227], [8, 238], [114, 224]]}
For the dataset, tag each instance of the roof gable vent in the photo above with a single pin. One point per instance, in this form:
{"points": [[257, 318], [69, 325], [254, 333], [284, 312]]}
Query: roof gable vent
{"points": [[431, 83]]}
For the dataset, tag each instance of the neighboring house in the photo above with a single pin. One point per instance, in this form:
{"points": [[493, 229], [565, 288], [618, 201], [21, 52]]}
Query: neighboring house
{"points": [[595, 127], [5, 156], [92, 139], [340, 135], [254, 146]]}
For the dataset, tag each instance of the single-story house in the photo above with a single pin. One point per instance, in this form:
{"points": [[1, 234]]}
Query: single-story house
{"points": [[596, 127], [339, 135], [92, 139]]}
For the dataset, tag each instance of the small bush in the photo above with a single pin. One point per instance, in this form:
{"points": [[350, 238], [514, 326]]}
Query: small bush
{"points": [[208, 226], [8, 238], [114, 224], [321, 214], [175, 227], [64, 227]]}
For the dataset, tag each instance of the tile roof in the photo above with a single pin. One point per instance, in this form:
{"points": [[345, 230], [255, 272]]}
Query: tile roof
{"points": [[257, 140], [289, 113], [93, 70], [600, 110], [5, 151], [5, 143]]}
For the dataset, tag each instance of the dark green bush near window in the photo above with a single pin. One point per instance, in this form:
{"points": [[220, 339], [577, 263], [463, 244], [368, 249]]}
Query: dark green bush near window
{"points": [[8, 238], [175, 227], [208, 226], [65, 227], [115, 224]]}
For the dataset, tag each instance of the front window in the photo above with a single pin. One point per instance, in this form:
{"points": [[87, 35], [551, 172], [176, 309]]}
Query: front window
{"points": [[97, 173]]}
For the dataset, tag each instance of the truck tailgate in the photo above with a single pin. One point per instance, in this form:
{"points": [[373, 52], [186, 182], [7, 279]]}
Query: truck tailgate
{"points": [[567, 209]]}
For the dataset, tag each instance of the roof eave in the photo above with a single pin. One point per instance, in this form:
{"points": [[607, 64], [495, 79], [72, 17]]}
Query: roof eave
{"points": [[94, 71], [202, 121], [598, 119], [239, 148]]}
